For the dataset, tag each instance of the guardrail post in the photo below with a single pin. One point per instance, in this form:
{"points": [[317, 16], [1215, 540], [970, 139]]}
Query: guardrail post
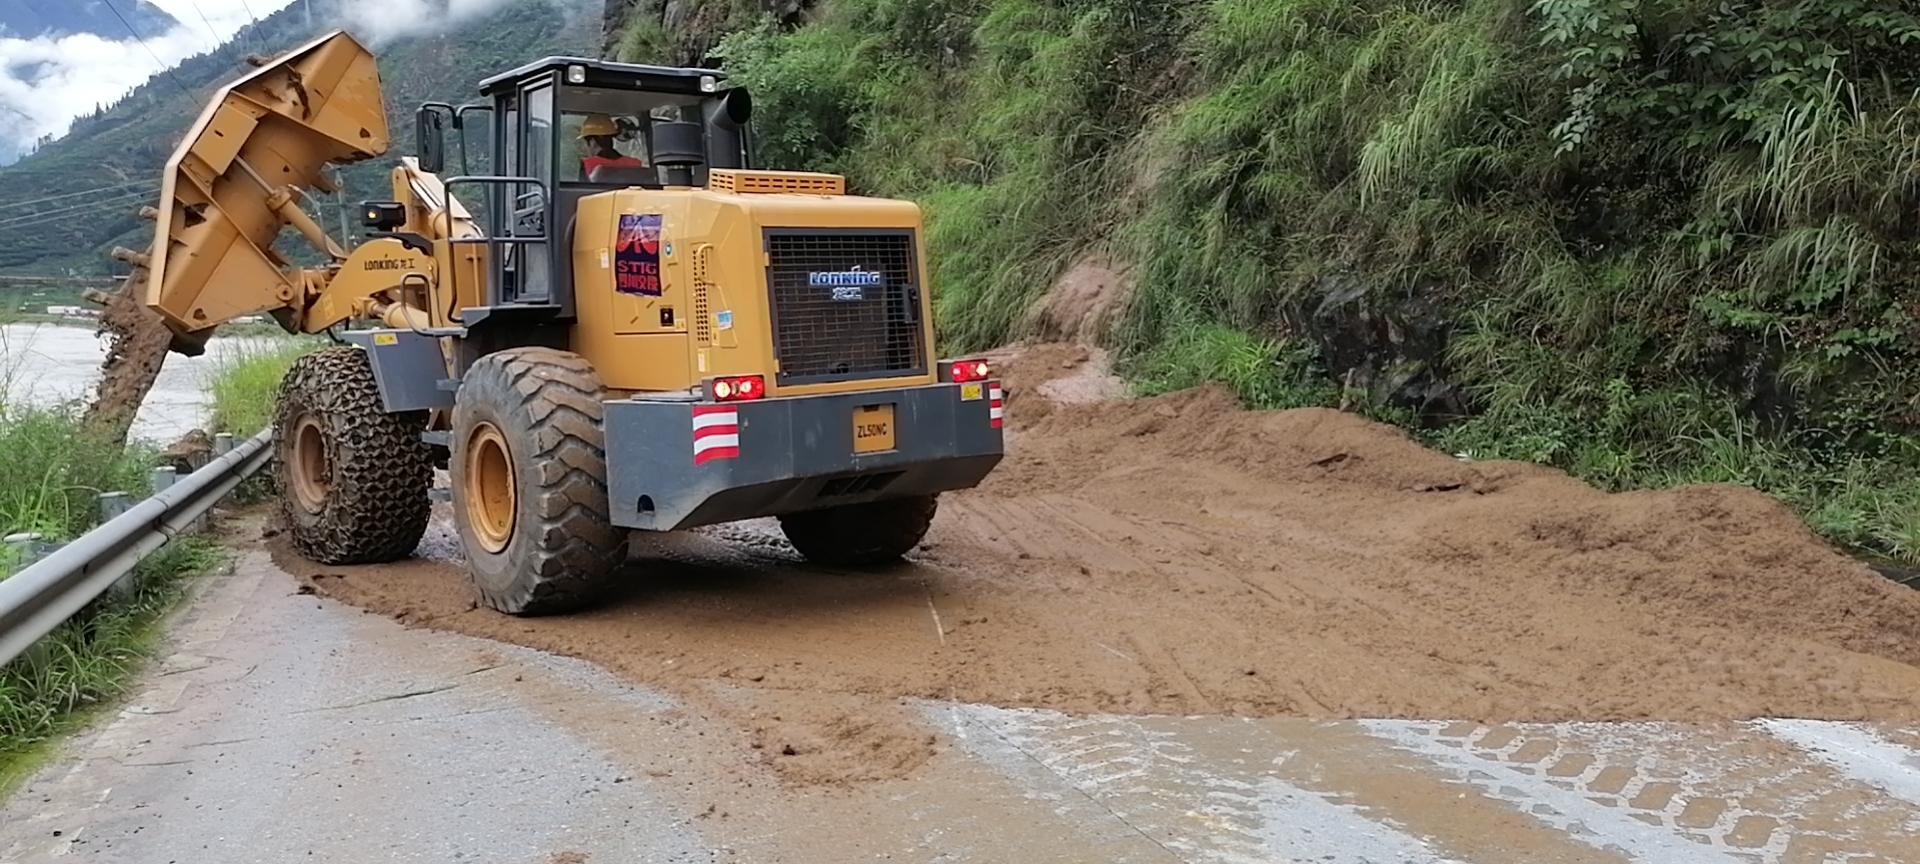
{"points": [[222, 444], [25, 546], [113, 504], [164, 477]]}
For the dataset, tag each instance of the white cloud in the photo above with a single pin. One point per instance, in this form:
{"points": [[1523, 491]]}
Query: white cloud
{"points": [[45, 83], [378, 22], [226, 16]]}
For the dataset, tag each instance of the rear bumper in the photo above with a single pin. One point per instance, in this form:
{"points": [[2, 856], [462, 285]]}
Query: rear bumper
{"points": [[679, 464]]}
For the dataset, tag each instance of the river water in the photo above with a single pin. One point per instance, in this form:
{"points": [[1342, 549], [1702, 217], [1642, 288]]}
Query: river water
{"points": [[45, 364]]}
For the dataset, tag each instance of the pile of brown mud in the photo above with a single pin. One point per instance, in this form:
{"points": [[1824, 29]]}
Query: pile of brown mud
{"points": [[1181, 555]]}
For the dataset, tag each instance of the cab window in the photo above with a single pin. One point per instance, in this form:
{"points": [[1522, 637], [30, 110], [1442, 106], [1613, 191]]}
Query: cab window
{"points": [[590, 138], [611, 129]]}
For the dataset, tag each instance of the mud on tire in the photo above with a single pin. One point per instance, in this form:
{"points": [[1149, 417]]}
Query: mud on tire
{"points": [[530, 482], [352, 479], [861, 534]]}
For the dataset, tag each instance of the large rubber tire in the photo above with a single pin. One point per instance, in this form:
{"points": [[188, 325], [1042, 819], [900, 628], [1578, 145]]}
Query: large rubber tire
{"points": [[876, 532], [529, 471], [352, 478]]}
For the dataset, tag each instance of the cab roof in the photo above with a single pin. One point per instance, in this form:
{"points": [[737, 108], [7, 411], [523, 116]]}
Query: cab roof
{"points": [[603, 73]]}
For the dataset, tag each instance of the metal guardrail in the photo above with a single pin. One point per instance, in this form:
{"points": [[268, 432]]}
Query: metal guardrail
{"points": [[47, 592]]}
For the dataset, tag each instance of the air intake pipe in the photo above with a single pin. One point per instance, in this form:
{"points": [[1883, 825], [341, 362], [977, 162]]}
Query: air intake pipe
{"points": [[725, 118]]}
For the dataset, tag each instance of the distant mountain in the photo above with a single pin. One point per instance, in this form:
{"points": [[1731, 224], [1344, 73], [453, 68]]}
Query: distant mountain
{"points": [[65, 204], [31, 19]]}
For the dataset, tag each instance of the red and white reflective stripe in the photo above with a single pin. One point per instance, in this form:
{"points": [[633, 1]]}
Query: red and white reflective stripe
{"points": [[994, 405], [716, 433]]}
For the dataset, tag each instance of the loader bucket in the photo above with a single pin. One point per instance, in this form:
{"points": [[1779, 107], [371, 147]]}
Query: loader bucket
{"points": [[223, 196]]}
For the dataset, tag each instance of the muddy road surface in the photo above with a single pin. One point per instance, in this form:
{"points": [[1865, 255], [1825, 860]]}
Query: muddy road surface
{"points": [[1164, 630]]}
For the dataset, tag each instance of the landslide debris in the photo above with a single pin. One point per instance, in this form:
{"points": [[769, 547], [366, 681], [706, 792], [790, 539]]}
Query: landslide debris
{"points": [[1181, 555], [135, 353]]}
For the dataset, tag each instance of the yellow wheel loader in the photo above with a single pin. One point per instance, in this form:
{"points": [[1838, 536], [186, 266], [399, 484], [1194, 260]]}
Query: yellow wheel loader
{"points": [[636, 329]]}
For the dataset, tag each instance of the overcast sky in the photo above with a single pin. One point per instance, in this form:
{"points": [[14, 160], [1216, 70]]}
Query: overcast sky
{"points": [[84, 71]]}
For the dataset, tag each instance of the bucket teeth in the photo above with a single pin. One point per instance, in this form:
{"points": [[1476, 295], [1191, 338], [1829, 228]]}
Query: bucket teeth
{"points": [[137, 259], [149, 213]]}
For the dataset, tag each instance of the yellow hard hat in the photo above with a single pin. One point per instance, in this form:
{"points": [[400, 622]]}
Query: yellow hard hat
{"points": [[598, 124]]}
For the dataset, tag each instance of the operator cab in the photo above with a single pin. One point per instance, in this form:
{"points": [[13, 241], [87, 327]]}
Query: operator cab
{"points": [[560, 129]]}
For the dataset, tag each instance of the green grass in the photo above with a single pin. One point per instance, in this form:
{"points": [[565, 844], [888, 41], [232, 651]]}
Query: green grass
{"points": [[243, 389], [53, 473]]}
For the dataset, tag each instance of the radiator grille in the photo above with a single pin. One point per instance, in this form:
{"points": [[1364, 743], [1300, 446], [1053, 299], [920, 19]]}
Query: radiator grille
{"points": [[832, 319]]}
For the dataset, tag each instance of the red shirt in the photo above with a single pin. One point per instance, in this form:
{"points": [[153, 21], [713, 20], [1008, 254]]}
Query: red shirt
{"points": [[591, 162]]}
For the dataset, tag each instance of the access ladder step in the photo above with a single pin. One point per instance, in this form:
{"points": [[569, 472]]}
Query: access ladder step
{"points": [[444, 439], [439, 494], [451, 385]]}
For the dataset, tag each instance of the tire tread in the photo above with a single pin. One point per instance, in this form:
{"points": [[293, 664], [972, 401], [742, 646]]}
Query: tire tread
{"points": [[382, 470]]}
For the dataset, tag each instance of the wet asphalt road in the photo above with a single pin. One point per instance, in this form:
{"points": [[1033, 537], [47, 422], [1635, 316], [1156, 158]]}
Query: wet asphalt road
{"points": [[285, 727]]}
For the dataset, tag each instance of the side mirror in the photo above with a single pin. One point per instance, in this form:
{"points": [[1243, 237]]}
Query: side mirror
{"points": [[430, 139]]}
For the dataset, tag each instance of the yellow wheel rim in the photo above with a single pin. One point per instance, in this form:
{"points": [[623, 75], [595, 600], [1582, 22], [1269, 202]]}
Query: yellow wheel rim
{"points": [[489, 487], [312, 470]]}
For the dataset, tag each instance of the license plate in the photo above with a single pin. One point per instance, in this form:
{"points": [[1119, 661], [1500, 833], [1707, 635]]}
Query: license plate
{"points": [[873, 428]]}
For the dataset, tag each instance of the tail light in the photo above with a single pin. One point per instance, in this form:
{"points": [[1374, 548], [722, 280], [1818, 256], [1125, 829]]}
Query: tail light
{"points": [[736, 388], [964, 371]]}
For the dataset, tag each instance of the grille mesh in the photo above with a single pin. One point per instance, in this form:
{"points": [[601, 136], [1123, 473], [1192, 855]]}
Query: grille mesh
{"points": [[872, 331], [702, 309]]}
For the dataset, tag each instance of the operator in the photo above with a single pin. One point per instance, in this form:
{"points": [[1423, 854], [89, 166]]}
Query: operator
{"points": [[598, 131]]}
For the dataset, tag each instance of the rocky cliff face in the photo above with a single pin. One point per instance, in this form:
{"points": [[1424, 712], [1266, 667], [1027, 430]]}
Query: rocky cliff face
{"points": [[681, 32]]}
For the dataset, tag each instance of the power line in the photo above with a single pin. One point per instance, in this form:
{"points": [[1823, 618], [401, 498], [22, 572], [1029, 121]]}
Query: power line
{"points": [[4, 205], [90, 208], [203, 19], [66, 219], [257, 35], [63, 216], [143, 43], [122, 191]]}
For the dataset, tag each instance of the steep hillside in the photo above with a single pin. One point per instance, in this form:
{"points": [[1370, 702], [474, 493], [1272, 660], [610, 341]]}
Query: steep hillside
{"points": [[61, 207], [1650, 242], [28, 19]]}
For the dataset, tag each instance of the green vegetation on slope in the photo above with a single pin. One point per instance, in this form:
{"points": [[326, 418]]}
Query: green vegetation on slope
{"points": [[1649, 242]]}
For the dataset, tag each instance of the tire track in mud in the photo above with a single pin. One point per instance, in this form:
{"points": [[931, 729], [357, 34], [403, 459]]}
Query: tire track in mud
{"points": [[1244, 789], [1725, 792], [1156, 783]]}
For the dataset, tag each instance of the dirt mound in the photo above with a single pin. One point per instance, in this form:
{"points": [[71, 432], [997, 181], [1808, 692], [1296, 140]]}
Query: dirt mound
{"points": [[1180, 555], [1083, 303]]}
